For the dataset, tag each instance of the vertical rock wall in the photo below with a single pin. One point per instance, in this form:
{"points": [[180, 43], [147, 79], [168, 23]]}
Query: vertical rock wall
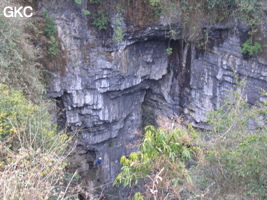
{"points": [[108, 87]]}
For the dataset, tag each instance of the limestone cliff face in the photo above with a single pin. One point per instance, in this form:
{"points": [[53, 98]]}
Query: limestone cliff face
{"points": [[109, 88]]}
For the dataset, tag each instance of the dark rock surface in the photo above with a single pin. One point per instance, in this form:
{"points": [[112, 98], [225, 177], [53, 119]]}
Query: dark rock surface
{"points": [[108, 87]]}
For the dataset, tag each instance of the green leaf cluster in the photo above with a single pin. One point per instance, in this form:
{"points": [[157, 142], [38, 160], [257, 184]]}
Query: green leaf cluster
{"points": [[86, 12], [79, 1], [50, 29], [160, 149], [138, 196], [50, 32], [154, 2], [118, 32], [101, 20], [169, 51], [53, 46], [251, 48]]}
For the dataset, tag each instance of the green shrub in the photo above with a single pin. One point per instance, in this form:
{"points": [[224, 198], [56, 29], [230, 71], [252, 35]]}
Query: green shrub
{"points": [[21, 121], [53, 46], [251, 48], [50, 32], [85, 12], [118, 32], [236, 152], [32, 151], [160, 163], [138, 196], [154, 2], [249, 10], [50, 29], [101, 20]]}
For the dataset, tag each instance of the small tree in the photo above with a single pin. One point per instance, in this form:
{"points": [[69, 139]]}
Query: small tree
{"points": [[160, 163]]}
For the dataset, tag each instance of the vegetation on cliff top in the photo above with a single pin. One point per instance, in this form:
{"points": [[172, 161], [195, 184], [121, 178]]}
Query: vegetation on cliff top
{"points": [[196, 17]]}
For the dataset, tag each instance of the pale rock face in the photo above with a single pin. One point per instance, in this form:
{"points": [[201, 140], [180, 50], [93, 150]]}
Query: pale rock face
{"points": [[108, 87]]}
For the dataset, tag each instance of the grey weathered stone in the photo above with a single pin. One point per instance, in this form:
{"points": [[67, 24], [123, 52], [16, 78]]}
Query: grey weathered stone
{"points": [[106, 84]]}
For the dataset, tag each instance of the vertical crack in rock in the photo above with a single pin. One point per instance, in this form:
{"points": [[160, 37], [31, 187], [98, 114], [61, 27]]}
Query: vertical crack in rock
{"points": [[184, 52], [169, 96]]}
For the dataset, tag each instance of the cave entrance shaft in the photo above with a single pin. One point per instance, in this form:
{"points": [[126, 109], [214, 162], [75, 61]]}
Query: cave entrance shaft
{"points": [[167, 97]]}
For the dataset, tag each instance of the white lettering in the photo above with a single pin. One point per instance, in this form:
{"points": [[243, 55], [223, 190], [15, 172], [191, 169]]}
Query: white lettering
{"points": [[8, 13], [18, 12], [25, 13], [14, 12]]}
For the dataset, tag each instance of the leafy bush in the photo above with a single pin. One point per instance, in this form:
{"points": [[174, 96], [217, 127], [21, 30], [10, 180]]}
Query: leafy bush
{"points": [[223, 4], [160, 163], [50, 32], [138, 196], [53, 46], [118, 32], [101, 20], [50, 29], [13, 109], [85, 12], [236, 152], [25, 121], [251, 48], [154, 2], [32, 152]]}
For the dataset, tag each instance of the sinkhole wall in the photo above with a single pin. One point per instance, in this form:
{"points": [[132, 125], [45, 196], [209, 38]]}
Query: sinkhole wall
{"points": [[110, 90]]}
